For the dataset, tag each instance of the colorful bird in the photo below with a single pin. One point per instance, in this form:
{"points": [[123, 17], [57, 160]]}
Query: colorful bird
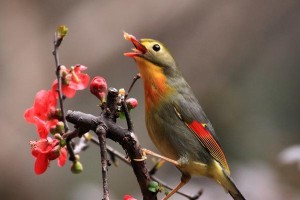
{"points": [[175, 121]]}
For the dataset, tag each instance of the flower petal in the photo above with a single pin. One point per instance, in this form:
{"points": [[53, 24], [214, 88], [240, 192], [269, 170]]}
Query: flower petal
{"points": [[62, 157], [84, 82], [41, 164], [68, 92], [79, 68], [41, 127], [28, 115], [43, 102]]}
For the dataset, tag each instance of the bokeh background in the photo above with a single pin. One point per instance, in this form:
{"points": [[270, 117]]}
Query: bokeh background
{"points": [[242, 58]]}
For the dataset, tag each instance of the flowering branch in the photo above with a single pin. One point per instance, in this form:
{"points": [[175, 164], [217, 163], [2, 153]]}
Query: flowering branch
{"points": [[121, 135], [58, 38]]}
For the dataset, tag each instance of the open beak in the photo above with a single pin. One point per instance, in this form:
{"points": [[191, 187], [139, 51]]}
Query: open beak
{"points": [[139, 48]]}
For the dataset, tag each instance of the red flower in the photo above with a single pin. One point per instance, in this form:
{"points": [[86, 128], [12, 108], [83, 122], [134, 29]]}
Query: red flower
{"points": [[72, 80], [98, 87], [41, 113], [46, 150], [128, 197]]}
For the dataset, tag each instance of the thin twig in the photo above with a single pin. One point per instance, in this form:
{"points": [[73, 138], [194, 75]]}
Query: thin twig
{"points": [[68, 137], [57, 42], [112, 151], [135, 78], [127, 116], [101, 132]]}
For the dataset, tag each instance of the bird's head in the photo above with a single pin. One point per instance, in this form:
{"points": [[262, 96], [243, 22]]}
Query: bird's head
{"points": [[150, 51]]}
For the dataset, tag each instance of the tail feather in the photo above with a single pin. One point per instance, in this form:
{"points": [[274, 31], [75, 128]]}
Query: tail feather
{"points": [[229, 185]]}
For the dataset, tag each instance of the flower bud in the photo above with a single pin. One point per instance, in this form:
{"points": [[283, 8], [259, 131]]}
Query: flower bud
{"points": [[128, 197], [63, 143], [98, 87], [60, 127], [58, 113], [76, 167], [58, 136], [153, 186], [62, 31], [131, 103]]}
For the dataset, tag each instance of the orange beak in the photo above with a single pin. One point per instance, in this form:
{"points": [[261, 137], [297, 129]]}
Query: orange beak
{"points": [[139, 48]]}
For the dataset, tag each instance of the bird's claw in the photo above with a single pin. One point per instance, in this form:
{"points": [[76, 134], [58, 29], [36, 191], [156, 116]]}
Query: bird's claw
{"points": [[143, 158]]}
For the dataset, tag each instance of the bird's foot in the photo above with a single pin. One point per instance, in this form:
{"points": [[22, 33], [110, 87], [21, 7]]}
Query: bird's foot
{"points": [[143, 158], [148, 152]]}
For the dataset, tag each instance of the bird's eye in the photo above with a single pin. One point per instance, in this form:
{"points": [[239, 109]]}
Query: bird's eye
{"points": [[156, 47]]}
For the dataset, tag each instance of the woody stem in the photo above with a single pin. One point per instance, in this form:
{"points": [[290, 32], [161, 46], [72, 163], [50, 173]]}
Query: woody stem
{"points": [[57, 42]]}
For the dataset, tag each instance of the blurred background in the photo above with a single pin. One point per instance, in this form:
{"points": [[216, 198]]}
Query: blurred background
{"points": [[242, 58]]}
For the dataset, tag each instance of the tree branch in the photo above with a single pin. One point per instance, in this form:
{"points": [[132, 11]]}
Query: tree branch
{"points": [[101, 132], [123, 136], [151, 172]]}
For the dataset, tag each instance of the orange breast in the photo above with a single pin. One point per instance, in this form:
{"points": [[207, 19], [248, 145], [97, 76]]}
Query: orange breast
{"points": [[155, 83]]}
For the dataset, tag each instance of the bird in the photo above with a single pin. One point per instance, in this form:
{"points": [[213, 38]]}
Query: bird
{"points": [[176, 123]]}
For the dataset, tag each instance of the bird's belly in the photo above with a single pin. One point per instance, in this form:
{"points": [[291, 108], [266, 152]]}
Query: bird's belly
{"points": [[162, 141]]}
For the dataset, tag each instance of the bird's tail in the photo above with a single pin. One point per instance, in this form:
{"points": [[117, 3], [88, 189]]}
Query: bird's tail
{"points": [[229, 185]]}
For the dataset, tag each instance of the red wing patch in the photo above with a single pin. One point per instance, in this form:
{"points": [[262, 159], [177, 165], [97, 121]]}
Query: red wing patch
{"points": [[209, 142]]}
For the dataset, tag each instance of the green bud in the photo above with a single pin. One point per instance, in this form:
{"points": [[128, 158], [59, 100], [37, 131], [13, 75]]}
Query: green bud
{"points": [[58, 113], [62, 31], [152, 189], [63, 143], [153, 186], [76, 167], [58, 136], [60, 127]]}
